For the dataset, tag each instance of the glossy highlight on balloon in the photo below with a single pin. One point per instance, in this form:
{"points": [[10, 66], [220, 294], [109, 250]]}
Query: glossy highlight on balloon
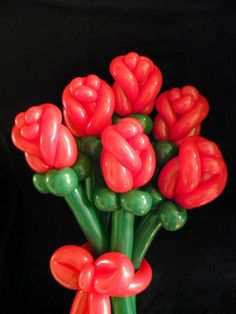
{"points": [[180, 113], [196, 176], [137, 82], [88, 105], [46, 142], [112, 274], [128, 158]]}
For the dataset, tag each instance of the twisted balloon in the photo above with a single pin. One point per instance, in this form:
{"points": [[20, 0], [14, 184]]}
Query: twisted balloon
{"points": [[47, 143], [196, 176], [88, 105], [128, 159], [181, 112], [112, 274], [137, 83]]}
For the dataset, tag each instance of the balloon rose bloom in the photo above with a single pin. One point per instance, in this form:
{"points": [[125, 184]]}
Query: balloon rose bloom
{"points": [[128, 159], [137, 83], [196, 176], [181, 112], [47, 143], [112, 274], [88, 105]]}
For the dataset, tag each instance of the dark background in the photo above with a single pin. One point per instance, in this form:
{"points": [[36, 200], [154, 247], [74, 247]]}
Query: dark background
{"points": [[43, 45]]}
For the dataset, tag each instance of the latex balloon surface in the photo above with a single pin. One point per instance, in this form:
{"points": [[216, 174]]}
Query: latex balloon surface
{"points": [[128, 159], [88, 105], [196, 176], [181, 112], [112, 274], [137, 83], [47, 143]]}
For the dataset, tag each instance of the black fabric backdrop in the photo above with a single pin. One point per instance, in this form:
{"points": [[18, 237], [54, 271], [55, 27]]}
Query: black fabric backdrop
{"points": [[44, 44]]}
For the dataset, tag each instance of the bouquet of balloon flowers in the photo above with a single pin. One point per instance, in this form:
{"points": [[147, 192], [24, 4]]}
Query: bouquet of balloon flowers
{"points": [[128, 160]]}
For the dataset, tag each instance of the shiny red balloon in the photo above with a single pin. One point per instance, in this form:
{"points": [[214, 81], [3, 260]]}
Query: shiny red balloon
{"points": [[180, 113], [88, 105], [128, 159], [196, 176], [137, 82], [112, 274], [47, 143]]}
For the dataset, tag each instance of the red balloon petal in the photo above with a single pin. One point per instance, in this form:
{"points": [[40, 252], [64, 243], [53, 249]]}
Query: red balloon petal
{"points": [[66, 264], [148, 158], [114, 272], [140, 282], [36, 163], [117, 177], [190, 167], [168, 177], [51, 121]]}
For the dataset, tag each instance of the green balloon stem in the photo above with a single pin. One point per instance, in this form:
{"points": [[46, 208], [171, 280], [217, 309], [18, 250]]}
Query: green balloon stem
{"points": [[106, 219], [134, 304], [89, 187], [169, 216], [122, 235], [123, 305], [88, 219], [144, 235], [122, 232]]}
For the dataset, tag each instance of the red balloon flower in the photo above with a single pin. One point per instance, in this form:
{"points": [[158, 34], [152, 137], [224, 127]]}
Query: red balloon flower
{"points": [[112, 274], [46, 142], [196, 176], [181, 112], [88, 105], [128, 159], [137, 83]]}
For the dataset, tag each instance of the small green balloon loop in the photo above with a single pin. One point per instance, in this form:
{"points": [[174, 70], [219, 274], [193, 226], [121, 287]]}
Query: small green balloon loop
{"points": [[82, 167], [136, 201], [61, 182], [157, 197], [39, 183], [165, 151], [145, 120], [91, 146], [116, 118], [106, 200], [172, 217]]}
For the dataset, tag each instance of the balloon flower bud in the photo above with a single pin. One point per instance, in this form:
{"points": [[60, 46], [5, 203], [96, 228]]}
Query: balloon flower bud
{"points": [[137, 82], [88, 105], [196, 176], [181, 112], [128, 159], [47, 143]]}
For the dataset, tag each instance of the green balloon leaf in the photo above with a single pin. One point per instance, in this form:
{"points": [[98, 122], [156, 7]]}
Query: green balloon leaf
{"points": [[172, 217], [116, 118], [61, 182], [165, 151], [136, 201], [91, 146], [157, 197], [145, 120], [82, 167], [106, 200], [39, 183]]}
